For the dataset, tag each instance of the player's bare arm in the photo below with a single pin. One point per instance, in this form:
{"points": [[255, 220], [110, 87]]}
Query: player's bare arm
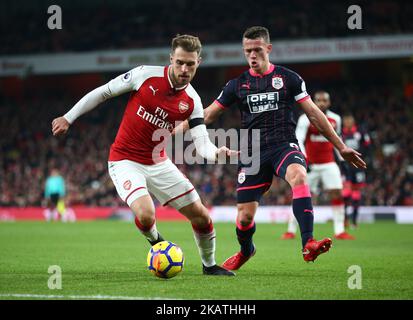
{"points": [[212, 113], [320, 121]]}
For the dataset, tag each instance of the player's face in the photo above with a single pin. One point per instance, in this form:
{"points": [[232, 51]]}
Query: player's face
{"points": [[184, 66], [257, 53], [322, 100], [348, 121]]}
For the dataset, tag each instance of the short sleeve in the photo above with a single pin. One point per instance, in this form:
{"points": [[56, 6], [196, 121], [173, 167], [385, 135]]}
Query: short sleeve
{"points": [[198, 111], [227, 96], [297, 87], [339, 126]]}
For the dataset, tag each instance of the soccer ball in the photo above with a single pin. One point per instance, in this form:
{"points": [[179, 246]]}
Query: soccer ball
{"points": [[165, 259]]}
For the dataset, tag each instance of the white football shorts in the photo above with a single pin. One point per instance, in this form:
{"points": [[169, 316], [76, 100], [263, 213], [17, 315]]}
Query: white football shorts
{"points": [[163, 180], [328, 174]]}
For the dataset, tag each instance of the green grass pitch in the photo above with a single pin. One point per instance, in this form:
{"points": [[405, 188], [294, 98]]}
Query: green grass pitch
{"points": [[109, 258]]}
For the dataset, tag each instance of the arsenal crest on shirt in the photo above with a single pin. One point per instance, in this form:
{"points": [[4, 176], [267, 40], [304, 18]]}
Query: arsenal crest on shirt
{"points": [[127, 184], [183, 106], [277, 82]]}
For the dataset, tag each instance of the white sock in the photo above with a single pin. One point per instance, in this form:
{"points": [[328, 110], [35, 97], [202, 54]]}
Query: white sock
{"points": [[338, 219], [292, 224], [206, 247], [151, 234]]}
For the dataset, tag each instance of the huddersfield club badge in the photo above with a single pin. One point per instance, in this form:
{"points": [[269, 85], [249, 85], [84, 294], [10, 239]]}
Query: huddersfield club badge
{"points": [[277, 82], [241, 177], [183, 106]]}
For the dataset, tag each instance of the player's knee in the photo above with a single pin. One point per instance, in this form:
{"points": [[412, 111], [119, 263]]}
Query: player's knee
{"points": [[197, 214], [245, 215], [144, 212], [296, 176], [146, 219]]}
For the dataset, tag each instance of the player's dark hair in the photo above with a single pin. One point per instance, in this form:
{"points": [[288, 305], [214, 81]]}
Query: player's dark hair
{"points": [[187, 42], [257, 32]]}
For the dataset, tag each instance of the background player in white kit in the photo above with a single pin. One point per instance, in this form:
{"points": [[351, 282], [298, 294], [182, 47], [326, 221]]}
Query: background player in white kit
{"points": [[161, 97], [322, 165]]}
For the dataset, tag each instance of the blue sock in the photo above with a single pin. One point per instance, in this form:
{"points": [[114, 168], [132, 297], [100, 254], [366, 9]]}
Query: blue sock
{"points": [[244, 235], [303, 212]]}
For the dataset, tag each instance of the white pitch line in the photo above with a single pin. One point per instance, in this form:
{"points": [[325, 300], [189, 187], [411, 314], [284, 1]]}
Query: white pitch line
{"points": [[94, 297]]}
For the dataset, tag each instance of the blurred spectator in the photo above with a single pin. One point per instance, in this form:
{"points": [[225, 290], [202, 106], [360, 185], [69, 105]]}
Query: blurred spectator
{"points": [[54, 193]]}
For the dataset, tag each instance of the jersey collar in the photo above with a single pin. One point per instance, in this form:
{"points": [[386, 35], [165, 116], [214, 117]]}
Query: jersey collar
{"points": [[170, 81], [254, 74]]}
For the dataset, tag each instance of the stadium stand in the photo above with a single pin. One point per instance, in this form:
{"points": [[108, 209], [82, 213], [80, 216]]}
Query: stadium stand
{"points": [[110, 24]]}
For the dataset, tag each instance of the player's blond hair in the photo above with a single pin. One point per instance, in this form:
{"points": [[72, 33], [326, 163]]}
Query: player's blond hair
{"points": [[187, 42]]}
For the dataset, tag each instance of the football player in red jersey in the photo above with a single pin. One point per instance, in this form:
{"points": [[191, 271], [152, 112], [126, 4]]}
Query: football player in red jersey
{"points": [[322, 165], [161, 96], [266, 95], [358, 138]]}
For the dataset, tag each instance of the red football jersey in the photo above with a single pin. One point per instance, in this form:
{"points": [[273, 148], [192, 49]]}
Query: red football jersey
{"points": [[316, 147], [152, 111]]}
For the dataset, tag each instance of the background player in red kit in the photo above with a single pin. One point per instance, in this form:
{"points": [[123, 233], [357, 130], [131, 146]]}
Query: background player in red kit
{"points": [[138, 164], [266, 95], [322, 165], [356, 137]]}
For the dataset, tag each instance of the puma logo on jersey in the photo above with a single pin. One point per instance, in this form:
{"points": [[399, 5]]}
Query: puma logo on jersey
{"points": [[245, 85], [153, 90], [299, 159]]}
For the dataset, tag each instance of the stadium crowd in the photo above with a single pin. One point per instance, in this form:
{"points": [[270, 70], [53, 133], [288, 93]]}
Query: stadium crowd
{"points": [[29, 151], [108, 24]]}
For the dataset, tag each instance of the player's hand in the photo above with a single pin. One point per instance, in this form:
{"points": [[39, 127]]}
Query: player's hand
{"points": [[226, 151], [60, 126], [353, 157]]}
